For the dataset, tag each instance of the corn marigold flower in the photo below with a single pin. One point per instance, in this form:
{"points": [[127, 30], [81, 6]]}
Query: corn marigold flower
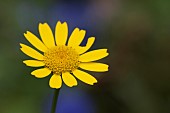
{"points": [[61, 58]]}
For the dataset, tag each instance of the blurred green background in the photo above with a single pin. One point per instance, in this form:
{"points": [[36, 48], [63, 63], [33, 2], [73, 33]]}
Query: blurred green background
{"points": [[136, 33]]}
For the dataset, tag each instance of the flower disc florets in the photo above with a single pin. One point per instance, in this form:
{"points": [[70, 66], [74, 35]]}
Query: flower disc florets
{"points": [[61, 59]]}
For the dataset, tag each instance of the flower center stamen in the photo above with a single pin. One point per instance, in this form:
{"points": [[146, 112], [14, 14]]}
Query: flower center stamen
{"points": [[61, 59]]}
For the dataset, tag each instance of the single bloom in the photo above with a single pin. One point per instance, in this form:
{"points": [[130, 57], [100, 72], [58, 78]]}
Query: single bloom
{"points": [[61, 58]]}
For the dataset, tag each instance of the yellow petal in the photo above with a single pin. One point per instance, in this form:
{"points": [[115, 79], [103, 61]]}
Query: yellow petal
{"points": [[68, 79], [74, 34], [31, 52], [93, 55], [46, 35], [35, 41], [76, 37], [85, 77], [61, 33], [91, 66], [55, 81], [34, 63], [90, 42], [41, 73]]}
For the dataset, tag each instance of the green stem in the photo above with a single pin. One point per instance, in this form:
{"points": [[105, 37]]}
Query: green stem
{"points": [[54, 103]]}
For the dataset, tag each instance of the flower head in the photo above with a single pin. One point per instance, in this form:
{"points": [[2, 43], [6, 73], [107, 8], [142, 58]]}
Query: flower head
{"points": [[63, 59]]}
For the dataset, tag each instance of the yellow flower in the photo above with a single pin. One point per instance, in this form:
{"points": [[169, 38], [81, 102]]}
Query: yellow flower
{"points": [[61, 58]]}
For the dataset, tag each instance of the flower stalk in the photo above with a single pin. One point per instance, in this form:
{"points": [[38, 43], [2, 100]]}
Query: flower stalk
{"points": [[54, 102]]}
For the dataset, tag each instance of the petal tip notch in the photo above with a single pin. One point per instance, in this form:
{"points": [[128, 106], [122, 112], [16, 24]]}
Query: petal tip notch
{"points": [[93, 83], [42, 24], [21, 45]]}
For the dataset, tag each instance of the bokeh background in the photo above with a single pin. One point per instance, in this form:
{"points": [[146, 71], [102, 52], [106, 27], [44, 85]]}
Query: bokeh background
{"points": [[136, 33]]}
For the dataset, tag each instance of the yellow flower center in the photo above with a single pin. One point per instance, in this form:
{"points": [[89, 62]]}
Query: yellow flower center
{"points": [[61, 59]]}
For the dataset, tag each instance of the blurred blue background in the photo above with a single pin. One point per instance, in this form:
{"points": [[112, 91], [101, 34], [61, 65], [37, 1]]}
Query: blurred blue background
{"points": [[136, 34]]}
